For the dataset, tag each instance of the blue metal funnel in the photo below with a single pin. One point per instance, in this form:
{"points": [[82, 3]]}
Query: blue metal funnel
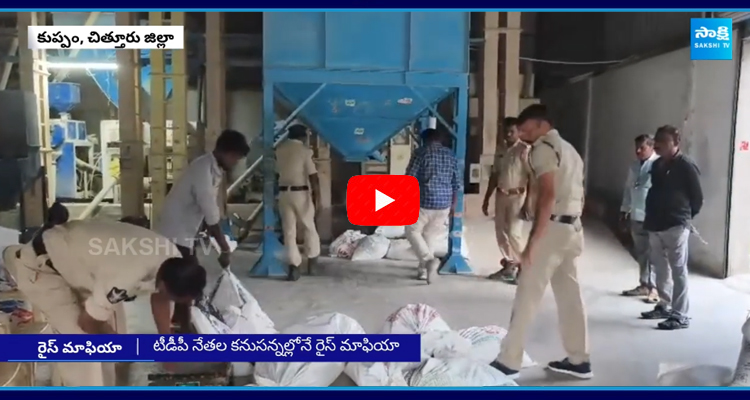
{"points": [[64, 96]]}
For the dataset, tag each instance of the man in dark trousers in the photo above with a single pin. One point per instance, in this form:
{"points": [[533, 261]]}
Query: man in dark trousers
{"points": [[675, 198]]}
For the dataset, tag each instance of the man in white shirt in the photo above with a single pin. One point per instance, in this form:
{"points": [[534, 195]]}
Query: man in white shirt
{"points": [[78, 273], [299, 191], [194, 198], [633, 212]]}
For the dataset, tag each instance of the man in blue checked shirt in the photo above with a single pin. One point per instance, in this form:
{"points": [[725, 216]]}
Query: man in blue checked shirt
{"points": [[436, 168], [633, 211]]}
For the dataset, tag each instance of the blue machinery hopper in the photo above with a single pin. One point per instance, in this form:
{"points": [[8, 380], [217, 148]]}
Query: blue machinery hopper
{"points": [[357, 79]]}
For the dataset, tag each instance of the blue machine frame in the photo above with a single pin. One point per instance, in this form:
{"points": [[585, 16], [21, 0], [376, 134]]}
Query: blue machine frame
{"points": [[317, 56]]}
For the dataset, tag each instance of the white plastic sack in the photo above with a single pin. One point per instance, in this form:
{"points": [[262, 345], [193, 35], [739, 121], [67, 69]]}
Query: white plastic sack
{"points": [[317, 374], [373, 247], [742, 372], [485, 344], [414, 318], [374, 374], [391, 232], [436, 372], [693, 375], [207, 324], [400, 249], [8, 237], [344, 245], [229, 292], [232, 244]]}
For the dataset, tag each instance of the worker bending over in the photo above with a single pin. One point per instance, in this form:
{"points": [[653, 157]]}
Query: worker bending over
{"points": [[195, 198], [299, 191], [436, 169], [511, 178], [76, 274], [550, 256]]}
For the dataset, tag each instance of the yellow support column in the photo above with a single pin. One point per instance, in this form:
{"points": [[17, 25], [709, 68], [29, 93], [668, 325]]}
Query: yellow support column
{"points": [[216, 98], [179, 105], [157, 160], [131, 126], [33, 72]]}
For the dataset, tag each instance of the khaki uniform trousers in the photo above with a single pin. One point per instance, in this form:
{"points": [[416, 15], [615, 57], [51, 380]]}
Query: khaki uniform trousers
{"points": [[61, 305], [509, 224], [297, 207], [552, 262]]}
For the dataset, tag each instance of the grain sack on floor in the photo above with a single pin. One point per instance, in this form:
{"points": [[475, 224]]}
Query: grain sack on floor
{"points": [[391, 232], [344, 245], [370, 248], [485, 344], [374, 374], [317, 374], [456, 372]]}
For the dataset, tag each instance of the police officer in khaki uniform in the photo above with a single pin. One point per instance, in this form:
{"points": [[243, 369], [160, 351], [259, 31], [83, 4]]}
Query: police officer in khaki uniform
{"points": [[78, 273], [511, 179], [299, 189], [550, 256]]}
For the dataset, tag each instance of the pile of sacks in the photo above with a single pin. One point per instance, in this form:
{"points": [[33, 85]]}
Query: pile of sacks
{"points": [[388, 242], [449, 358]]}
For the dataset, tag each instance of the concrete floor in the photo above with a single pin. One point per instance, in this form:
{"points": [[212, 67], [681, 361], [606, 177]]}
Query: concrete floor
{"points": [[625, 351]]}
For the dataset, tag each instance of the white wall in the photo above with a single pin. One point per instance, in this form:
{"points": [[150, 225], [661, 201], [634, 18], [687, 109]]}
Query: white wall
{"points": [[695, 96]]}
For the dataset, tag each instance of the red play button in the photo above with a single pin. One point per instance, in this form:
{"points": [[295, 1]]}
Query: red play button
{"points": [[382, 200]]}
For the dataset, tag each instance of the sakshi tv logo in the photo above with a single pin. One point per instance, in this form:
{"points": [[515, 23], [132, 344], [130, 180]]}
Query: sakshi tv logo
{"points": [[711, 39]]}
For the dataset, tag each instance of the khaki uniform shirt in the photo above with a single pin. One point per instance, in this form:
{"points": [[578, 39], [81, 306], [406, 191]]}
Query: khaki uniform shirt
{"points": [[294, 162], [512, 167], [107, 262], [551, 153]]}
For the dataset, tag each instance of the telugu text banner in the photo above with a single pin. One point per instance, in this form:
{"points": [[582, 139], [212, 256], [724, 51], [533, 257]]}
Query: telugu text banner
{"points": [[106, 37]]}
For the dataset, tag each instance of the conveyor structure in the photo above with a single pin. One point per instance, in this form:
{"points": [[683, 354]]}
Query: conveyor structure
{"points": [[357, 79]]}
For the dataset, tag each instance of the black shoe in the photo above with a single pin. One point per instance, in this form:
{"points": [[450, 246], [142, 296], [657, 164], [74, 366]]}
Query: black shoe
{"points": [[510, 373], [659, 312], [582, 370], [673, 323], [293, 274], [311, 264]]}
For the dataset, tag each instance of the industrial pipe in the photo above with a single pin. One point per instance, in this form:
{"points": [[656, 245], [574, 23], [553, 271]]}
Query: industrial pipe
{"points": [[98, 199]]}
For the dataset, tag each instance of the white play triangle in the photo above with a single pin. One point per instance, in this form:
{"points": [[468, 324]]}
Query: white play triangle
{"points": [[381, 200]]}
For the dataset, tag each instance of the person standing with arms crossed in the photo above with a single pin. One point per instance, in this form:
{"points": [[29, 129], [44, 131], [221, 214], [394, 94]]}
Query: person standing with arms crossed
{"points": [[675, 198], [436, 168], [633, 212], [511, 178], [299, 190], [550, 256]]}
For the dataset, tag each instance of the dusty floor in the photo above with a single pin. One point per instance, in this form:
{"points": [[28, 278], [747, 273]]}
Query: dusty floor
{"points": [[625, 351]]}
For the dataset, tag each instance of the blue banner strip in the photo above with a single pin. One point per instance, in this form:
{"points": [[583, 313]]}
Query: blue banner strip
{"points": [[210, 348], [384, 5]]}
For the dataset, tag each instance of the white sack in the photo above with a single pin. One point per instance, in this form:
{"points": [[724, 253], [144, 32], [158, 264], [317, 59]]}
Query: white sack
{"points": [[232, 244], [693, 375], [8, 237], [228, 293], [485, 344], [423, 320], [317, 374], [454, 372], [373, 247], [374, 374], [401, 250], [207, 324], [344, 245], [391, 232]]}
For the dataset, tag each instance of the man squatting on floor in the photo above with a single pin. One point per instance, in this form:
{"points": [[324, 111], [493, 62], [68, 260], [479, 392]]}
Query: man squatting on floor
{"points": [[511, 178]]}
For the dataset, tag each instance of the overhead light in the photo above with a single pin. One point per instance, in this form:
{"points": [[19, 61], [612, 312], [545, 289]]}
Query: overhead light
{"points": [[82, 65]]}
